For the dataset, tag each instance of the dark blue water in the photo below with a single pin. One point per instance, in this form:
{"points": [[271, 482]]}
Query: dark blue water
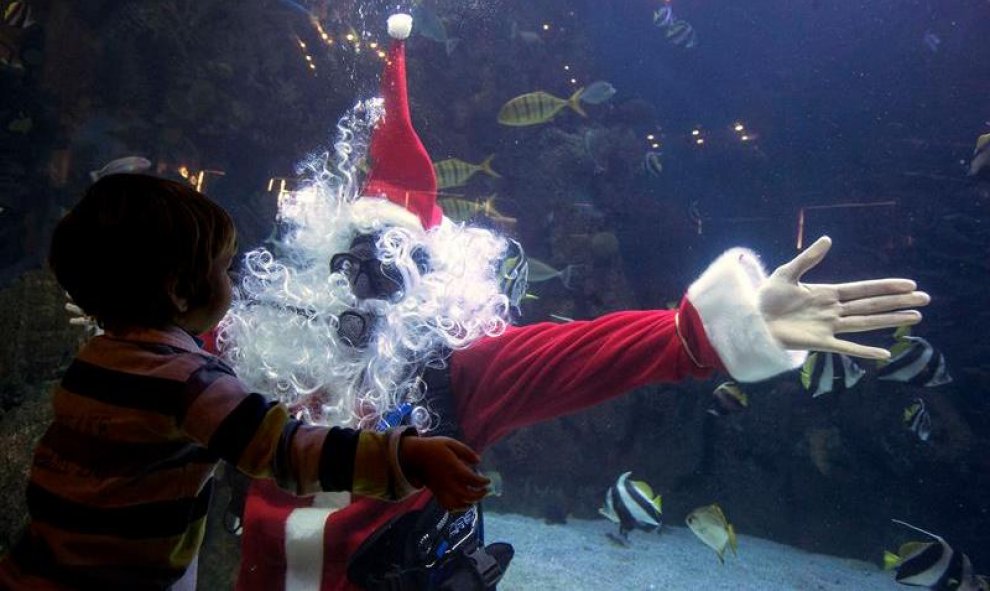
{"points": [[866, 102]]}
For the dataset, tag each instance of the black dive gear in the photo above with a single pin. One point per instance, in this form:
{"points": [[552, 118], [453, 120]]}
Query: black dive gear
{"points": [[431, 549], [354, 327], [369, 277]]}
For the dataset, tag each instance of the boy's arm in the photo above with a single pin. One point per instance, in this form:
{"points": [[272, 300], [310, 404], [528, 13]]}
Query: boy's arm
{"points": [[259, 437]]}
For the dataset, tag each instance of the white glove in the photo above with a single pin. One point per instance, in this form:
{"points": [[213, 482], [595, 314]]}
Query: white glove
{"points": [[805, 316], [80, 318]]}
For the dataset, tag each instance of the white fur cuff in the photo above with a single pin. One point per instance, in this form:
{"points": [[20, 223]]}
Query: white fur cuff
{"points": [[726, 297]]}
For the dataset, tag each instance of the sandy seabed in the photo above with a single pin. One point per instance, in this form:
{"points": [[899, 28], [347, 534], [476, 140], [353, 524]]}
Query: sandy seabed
{"points": [[578, 556]]}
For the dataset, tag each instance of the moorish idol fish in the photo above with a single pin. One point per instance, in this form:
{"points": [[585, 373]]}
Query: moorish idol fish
{"points": [[830, 372], [916, 362], [632, 504], [918, 420], [933, 564]]}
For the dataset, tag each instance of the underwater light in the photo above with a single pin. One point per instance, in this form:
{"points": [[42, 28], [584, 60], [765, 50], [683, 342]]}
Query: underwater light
{"points": [[573, 80], [695, 132], [699, 141], [739, 127], [349, 37], [373, 45], [651, 137], [546, 26], [381, 54], [744, 138], [183, 171], [655, 145], [567, 68]]}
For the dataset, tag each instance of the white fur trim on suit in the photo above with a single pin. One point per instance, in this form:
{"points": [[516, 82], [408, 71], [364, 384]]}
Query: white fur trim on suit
{"points": [[726, 297]]}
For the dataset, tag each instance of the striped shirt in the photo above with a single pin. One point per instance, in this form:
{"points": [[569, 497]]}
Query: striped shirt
{"points": [[121, 480]]}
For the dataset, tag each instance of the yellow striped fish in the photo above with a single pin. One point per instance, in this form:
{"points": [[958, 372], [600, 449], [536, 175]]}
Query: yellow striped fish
{"points": [[455, 172], [462, 210], [537, 107]]}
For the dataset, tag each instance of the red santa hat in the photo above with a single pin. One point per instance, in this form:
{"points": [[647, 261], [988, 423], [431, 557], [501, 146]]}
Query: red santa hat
{"points": [[401, 169]]}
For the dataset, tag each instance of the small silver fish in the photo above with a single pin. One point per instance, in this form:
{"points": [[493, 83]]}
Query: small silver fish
{"points": [[527, 37], [427, 24], [653, 164], [540, 271], [121, 165], [597, 93]]}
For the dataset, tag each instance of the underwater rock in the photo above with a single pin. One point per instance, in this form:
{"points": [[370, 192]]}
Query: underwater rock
{"points": [[604, 247]]}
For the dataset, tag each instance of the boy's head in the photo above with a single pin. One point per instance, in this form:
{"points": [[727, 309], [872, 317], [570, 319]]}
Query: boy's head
{"points": [[141, 251]]}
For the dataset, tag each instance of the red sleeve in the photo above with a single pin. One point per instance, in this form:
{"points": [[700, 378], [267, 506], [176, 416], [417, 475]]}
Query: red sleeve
{"points": [[538, 372]]}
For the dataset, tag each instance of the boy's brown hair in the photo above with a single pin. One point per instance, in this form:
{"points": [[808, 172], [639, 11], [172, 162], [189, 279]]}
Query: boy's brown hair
{"points": [[130, 240]]}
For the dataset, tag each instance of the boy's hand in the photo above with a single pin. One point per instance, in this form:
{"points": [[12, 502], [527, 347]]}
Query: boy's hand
{"points": [[446, 467]]}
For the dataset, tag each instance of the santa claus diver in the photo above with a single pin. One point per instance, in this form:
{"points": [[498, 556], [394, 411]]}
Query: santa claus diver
{"points": [[375, 310]]}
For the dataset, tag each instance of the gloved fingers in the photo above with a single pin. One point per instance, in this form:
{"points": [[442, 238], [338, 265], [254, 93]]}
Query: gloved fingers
{"points": [[804, 262], [466, 476], [877, 321], [858, 290], [885, 303], [464, 452], [472, 495], [74, 309], [460, 499], [80, 321], [854, 349]]}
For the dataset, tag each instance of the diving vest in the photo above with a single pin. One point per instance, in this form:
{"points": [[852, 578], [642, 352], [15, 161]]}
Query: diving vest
{"points": [[431, 549]]}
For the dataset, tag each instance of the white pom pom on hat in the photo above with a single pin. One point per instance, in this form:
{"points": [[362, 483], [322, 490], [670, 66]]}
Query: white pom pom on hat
{"points": [[400, 26]]}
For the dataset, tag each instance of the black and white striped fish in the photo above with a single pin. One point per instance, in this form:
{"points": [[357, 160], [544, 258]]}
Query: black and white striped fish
{"points": [[917, 362], [632, 504], [935, 565], [918, 420], [830, 372]]}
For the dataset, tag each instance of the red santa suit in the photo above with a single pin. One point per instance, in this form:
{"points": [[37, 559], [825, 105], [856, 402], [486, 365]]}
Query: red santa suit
{"points": [[526, 375]]}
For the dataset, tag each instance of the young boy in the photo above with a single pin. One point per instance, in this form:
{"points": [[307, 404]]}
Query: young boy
{"points": [[121, 481]]}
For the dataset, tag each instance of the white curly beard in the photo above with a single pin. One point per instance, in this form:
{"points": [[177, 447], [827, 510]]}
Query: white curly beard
{"points": [[281, 332]]}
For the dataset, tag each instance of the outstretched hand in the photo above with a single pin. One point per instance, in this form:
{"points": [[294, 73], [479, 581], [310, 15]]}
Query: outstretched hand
{"points": [[78, 317], [804, 316], [446, 467]]}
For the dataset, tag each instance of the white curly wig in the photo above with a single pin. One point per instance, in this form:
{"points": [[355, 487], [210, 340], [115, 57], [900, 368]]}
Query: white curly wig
{"points": [[281, 332]]}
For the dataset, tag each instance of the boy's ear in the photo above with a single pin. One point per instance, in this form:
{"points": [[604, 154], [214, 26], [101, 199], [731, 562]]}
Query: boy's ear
{"points": [[181, 303]]}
